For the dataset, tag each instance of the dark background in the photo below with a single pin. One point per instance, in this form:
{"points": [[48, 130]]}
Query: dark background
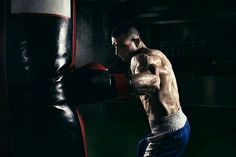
{"points": [[198, 36], [4, 125]]}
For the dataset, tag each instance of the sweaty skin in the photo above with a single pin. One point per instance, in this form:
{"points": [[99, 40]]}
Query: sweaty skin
{"points": [[163, 97], [152, 76]]}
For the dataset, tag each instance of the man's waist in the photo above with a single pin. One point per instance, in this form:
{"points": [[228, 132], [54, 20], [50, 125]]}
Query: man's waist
{"points": [[168, 123]]}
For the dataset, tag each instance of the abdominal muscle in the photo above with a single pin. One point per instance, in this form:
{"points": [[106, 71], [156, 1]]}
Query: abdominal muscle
{"points": [[154, 109]]}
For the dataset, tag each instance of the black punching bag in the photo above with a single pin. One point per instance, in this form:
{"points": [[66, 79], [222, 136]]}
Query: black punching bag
{"points": [[39, 52]]}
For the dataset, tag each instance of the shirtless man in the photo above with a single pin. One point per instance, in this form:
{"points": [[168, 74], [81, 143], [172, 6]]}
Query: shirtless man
{"points": [[154, 82]]}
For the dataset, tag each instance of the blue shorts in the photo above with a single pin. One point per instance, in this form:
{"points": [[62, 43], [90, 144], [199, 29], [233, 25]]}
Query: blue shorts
{"points": [[170, 144]]}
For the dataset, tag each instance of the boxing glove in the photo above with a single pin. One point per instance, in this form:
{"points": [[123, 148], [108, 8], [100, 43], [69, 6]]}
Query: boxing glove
{"points": [[39, 39], [93, 83]]}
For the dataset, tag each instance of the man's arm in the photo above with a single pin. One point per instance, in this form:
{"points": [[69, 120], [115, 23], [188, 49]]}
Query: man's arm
{"points": [[153, 75], [150, 67], [146, 73]]}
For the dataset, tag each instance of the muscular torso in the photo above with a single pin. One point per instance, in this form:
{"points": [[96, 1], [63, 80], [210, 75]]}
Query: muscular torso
{"points": [[147, 63]]}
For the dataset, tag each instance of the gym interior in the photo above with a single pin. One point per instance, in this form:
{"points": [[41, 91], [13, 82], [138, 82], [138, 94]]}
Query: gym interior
{"points": [[198, 37]]}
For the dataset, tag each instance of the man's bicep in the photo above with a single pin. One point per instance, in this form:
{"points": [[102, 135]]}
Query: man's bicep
{"points": [[140, 64]]}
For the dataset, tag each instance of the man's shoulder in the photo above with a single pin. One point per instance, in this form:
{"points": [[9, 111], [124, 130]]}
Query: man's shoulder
{"points": [[156, 52], [146, 55], [154, 55], [149, 52]]}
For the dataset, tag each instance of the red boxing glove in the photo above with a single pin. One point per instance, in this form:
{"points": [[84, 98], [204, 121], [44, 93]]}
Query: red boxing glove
{"points": [[93, 83]]}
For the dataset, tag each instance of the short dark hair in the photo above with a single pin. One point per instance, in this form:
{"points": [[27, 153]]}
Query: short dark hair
{"points": [[126, 29]]}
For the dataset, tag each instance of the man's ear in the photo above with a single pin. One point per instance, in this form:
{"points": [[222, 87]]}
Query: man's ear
{"points": [[136, 42]]}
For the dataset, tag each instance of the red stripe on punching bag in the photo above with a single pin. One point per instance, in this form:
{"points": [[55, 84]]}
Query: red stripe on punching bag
{"points": [[81, 120], [73, 60], [72, 65]]}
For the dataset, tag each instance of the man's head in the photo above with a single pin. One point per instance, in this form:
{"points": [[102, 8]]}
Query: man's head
{"points": [[126, 40]]}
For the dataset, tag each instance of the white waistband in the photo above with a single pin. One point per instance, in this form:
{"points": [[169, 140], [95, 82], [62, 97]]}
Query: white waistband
{"points": [[169, 123]]}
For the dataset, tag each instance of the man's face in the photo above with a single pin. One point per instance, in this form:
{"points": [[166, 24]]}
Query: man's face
{"points": [[124, 47]]}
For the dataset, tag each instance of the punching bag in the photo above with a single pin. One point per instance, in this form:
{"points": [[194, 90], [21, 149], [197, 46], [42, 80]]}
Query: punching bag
{"points": [[39, 53]]}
